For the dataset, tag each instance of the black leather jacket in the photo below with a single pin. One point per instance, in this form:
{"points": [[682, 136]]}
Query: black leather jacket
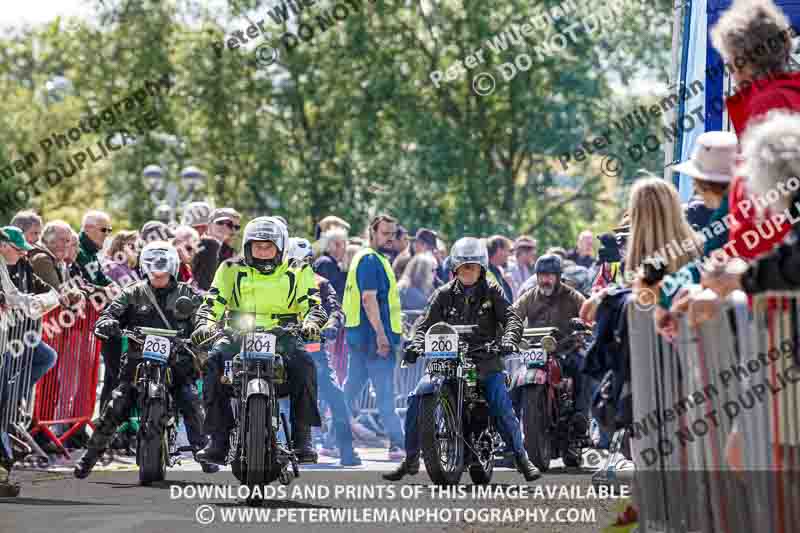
{"points": [[132, 308], [486, 306]]}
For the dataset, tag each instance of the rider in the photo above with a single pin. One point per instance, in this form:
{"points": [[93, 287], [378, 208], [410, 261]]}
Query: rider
{"points": [[300, 255], [471, 298], [262, 282], [553, 303], [142, 305]]}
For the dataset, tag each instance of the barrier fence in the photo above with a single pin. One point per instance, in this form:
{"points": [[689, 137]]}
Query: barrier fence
{"points": [[716, 432], [67, 393], [18, 336]]}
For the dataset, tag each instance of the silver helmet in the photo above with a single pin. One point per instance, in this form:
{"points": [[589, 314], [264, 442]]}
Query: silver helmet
{"points": [[299, 248], [159, 256], [469, 250], [269, 229]]}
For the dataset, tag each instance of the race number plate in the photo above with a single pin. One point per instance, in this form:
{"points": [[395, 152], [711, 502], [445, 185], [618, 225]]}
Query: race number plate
{"points": [[535, 358], [259, 346], [441, 346], [156, 348]]}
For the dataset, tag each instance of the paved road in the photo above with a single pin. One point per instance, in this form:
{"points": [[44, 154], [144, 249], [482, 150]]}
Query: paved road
{"points": [[111, 500]]}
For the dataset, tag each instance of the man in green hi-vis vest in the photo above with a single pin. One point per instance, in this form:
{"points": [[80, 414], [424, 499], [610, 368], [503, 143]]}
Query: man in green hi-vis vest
{"points": [[373, 324]]}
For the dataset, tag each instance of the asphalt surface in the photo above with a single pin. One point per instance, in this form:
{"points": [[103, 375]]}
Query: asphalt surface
{"points": [[326, 497]]}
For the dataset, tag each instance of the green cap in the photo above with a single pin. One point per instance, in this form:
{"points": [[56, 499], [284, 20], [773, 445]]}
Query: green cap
{"points": [[16, 238]]}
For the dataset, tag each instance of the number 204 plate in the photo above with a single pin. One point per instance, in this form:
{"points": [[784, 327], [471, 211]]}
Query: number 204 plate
{"points": [[259, 346]]}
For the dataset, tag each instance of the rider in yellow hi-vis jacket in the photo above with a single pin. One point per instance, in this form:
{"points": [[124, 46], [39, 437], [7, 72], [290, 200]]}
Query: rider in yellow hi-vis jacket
{"points": [[262, 284]]}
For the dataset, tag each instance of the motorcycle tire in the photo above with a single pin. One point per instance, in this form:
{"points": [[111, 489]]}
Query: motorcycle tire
{"points": [[152, 448], [573, 459], [536, 422], [440, 472], [256, 441]]}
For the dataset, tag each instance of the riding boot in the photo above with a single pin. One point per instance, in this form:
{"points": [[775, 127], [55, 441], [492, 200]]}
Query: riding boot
{"points": [[216, 451], [208, 468], [409, 467], [303, 446], [84, 467], [526, 467]]}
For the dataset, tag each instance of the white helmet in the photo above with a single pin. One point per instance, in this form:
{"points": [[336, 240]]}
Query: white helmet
{"points": [[269, 229], [469, 250], [159, 256], [299, 248]]}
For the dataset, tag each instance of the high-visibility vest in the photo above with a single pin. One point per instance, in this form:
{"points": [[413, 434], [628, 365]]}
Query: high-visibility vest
{"points": [[351, 303]]}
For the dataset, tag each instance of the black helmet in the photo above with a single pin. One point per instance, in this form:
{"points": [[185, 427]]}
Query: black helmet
{"points": [[548, 264]]}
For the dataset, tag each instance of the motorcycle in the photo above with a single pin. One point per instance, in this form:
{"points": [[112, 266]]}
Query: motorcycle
{"points": [[454, 412], [552, 427], [257, 454], [156, 447]]}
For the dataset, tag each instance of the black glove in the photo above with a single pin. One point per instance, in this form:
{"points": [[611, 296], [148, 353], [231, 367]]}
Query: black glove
{"points": [[202, 334], [108, 329], [508, 348], [411, 355]]}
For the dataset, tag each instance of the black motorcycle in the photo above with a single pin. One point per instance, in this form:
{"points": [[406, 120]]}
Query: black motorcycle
{"points": [[156, 447], [456, 427], [552, 426], [256, 377]]}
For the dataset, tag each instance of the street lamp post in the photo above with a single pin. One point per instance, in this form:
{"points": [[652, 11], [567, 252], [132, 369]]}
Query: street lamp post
{"points": [[166, 194]]}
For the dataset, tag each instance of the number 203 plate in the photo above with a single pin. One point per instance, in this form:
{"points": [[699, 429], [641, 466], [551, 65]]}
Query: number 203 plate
{"points": [[156, 348]]}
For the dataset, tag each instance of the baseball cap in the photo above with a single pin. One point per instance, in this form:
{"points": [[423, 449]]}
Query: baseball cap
{"points": [[225, 213], [428, 236], [155, 230], [16, 238]]}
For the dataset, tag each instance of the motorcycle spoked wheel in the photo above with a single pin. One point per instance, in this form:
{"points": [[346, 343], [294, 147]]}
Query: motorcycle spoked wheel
{"points": [[439, 438], [152, 450], [537, 423]]}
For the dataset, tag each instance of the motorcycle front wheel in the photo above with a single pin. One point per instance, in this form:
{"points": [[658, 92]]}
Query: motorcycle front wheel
{"points": [[256, 442], [537, 423], [440, 438], [152, 446]]}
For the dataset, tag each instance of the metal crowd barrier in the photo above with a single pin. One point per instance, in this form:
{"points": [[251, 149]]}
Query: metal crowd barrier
{"points": [[19, 335], [67, 393], [731, 384]]}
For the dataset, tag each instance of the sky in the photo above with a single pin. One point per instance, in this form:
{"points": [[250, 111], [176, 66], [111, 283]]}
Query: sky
{"points": [[20, 12]]}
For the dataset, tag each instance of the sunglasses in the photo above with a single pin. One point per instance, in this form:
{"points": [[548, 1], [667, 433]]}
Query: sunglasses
{"points": [[231, 225], [105, 230]]}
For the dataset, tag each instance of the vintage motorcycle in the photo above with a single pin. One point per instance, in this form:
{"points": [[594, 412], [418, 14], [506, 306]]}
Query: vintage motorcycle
{"points": [[257, 454], [552, 427], [457, 430]]}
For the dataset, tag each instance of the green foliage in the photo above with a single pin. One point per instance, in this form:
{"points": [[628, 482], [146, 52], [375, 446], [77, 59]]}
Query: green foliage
{"points": [[349, 124]]}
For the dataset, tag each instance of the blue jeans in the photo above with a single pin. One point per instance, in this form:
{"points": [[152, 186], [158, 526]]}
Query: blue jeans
{"points": [[44, 358], [364, 363], [332, 394], [499, 407]]}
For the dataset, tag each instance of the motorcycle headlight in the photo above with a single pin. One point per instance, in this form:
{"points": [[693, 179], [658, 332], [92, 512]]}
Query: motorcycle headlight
{"points": [[549, 344], [247, 322]]}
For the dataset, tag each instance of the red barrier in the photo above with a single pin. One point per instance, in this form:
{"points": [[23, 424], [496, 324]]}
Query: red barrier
{"points": [[67, 393]]}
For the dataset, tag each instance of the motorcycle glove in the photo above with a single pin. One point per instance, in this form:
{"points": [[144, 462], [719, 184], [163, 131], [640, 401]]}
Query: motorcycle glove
{"points": [[109, 329], [202, 334], [508, 348], [310, 331], [411, 355]]}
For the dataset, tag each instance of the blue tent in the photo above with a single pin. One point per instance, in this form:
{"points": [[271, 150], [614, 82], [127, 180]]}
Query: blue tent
{"points": [[697, 56]]}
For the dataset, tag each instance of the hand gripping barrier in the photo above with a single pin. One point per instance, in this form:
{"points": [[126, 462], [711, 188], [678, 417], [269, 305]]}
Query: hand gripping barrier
{"points": [[716, 432], [66, 395]]}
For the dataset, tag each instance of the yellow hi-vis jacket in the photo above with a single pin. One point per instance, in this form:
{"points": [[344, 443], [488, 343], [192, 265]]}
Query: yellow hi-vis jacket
{"points": [[351, 303]]}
